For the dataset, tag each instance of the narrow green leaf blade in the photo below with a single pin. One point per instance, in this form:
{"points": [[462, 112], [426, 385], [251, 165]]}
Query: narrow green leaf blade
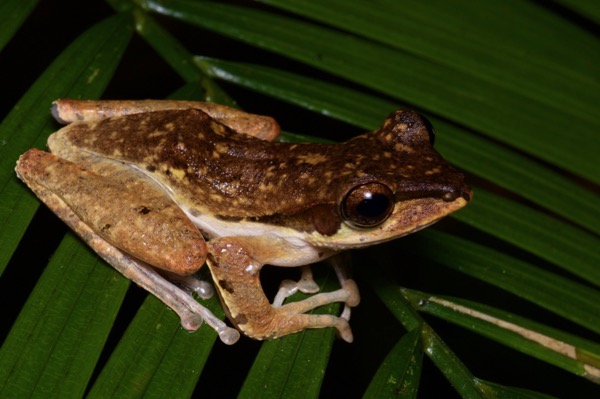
{"points": [[292, 366], [572, 249], [571, 300], [587, 8], [56, 341], [503, 392], [569, 352], [398, 376], [545, 77], [13, 13], [154, 352], [447, 362]]}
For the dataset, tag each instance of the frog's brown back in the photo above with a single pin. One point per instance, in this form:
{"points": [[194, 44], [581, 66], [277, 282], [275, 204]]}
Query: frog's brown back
{"points": [[239, 176]]}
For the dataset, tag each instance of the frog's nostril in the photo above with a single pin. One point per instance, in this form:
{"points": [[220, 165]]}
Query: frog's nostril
{"points": [[453, 194], [450, 196]]}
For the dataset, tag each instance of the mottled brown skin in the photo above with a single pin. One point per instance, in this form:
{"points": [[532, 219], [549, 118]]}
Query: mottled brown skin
{"points": [[180, 247], [284, 185]]}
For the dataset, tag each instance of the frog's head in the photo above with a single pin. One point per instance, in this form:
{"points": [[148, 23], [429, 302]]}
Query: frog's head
{"points": [[392, 183]]}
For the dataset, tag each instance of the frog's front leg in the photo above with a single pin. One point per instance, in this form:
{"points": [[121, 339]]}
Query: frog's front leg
{"points": [[235, 267]]}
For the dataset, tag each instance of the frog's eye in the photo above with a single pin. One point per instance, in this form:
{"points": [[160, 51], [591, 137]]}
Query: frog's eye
{"points": [[367, 205], [430, 129]]}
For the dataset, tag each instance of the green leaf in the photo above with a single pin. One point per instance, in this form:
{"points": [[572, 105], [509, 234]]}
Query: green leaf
{"points": [[398, 376], [292, 366], [179, 59], [502, 392], [154, 352], [569, 352], [447, 362], [14, 13], [587, 8], [569, 299], [549, 238], [57, 339], [461, 49]]}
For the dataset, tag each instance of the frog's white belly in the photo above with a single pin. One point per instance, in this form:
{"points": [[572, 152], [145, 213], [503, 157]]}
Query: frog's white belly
{"points": [[291, 246]]}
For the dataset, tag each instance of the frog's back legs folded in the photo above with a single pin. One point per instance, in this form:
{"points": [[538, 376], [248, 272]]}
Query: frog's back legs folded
{"points": [[238, 275], [69, 110], [36, 168]]}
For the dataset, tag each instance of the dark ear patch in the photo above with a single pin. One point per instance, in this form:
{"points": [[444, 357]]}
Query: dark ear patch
{"points": [[325, 219]]}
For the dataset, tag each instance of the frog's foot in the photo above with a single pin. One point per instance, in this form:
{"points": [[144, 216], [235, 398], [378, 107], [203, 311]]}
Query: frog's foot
{"points": [[237, 277], [46, 174], [287, 288], [348, 294], [190, 312], [179, 300]]}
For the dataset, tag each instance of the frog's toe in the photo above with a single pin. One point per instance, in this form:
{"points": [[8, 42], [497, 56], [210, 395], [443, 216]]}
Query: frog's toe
{"points": [[350, 287], [287, 288], [308, 286], [192, 284], [191, 321], [202, 288], [345, 332], [228, 335]]}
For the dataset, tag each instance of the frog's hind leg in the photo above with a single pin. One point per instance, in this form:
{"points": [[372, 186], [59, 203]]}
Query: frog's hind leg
{"points": [[237, 275], [86, 201], [190, 312], [287, 288], [70, 110]]}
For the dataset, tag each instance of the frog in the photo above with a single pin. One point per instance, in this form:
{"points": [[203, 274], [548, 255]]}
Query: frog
{"points": [[159, 188]]}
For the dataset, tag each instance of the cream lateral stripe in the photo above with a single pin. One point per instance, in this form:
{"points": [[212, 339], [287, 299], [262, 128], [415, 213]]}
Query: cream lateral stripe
{"points": [[548, 342]]}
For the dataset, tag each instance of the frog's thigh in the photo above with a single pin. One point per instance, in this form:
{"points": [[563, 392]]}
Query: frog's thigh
{"points": [[122, 207], [237, 276], [35, 167]]}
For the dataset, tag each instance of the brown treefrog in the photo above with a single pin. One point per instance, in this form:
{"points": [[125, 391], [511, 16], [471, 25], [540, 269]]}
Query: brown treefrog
{"points": [[158, 188]]}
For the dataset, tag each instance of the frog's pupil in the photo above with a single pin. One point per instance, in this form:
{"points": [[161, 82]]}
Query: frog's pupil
{"points": [[373, 206]]}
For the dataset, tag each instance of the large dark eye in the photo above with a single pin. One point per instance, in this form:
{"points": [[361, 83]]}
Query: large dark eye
{"points": [[430, 129], [367, 205]]}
